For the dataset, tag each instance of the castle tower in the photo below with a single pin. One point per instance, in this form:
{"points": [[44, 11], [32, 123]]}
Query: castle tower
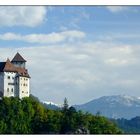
{"points": [[19, 61]]}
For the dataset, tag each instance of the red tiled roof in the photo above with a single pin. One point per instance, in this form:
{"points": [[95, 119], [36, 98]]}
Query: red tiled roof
{"points": [[18, 58], [22, 72], [9, 67]]}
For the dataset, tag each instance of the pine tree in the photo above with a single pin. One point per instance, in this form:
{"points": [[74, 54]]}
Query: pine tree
{"points": [[65, 105]]}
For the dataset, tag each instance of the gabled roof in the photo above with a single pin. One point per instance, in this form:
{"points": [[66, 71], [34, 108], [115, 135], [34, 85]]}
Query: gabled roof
{"points": [[18, 58], [9, 67]]}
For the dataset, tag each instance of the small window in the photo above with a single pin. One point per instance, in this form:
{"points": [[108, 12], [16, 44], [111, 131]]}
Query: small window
{"points": [[13, 78], [7, 89], [22, 91], [8, 77], [12, 90]]}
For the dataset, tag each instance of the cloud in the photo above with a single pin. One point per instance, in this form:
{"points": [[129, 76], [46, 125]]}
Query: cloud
{"points": [[116, 9], [30, 16], [44, 38], [80, 71], [123, 37]]}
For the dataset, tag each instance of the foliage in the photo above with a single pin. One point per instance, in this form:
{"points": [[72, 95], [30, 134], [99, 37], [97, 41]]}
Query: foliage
{"points": [[131, 126], [29, 116]]}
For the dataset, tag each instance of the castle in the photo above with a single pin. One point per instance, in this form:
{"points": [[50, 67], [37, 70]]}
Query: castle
{"points": [[14, 78]]}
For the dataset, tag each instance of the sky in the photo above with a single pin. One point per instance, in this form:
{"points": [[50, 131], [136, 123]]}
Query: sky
{"points": [[77, 52]]}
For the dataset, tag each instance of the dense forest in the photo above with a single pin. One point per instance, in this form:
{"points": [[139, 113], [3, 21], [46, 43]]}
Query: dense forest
{"points": [[29, 116], [131, 126]]}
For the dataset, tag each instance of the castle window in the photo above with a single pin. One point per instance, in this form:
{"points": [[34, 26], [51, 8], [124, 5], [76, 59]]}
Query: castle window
{"points": [[22, 91], [7, 89], [13, 78], [8, 77], [11, 84], [12, 90]]}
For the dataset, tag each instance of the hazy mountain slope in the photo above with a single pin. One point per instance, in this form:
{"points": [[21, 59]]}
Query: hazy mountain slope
{"points": [[113, 106]]}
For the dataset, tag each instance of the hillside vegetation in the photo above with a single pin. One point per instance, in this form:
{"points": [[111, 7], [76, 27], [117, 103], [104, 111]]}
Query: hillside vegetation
{"points": [[29, 116], [131, 126]]}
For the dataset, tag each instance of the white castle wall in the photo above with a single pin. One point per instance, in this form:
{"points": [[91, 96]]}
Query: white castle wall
{"points": [[9, 84], [24, 86]]}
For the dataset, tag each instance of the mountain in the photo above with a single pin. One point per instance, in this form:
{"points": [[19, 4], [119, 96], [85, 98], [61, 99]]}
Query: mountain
{"points": [[117, 106]]}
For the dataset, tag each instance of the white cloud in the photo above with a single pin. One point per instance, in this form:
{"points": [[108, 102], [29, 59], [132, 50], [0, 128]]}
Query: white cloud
{"points": [[128, 82], [22, 15], [80, 73], [116, 9], [119, 36], [10, 36], [117, 61], [44, 38]]}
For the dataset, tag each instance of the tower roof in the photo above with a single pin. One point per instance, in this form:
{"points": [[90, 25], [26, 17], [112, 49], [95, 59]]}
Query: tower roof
{"points": [[18, 58]]}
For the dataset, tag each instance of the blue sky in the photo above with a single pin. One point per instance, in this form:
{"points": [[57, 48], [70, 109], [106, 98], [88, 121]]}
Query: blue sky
{"points": [[78, 52]]}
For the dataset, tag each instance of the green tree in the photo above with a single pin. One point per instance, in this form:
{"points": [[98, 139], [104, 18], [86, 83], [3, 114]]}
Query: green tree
{"points": [[29, 116], [100, 125]]}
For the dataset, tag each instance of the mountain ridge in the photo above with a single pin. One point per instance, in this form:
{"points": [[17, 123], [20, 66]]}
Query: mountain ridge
{"points": [[115, 106]]}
